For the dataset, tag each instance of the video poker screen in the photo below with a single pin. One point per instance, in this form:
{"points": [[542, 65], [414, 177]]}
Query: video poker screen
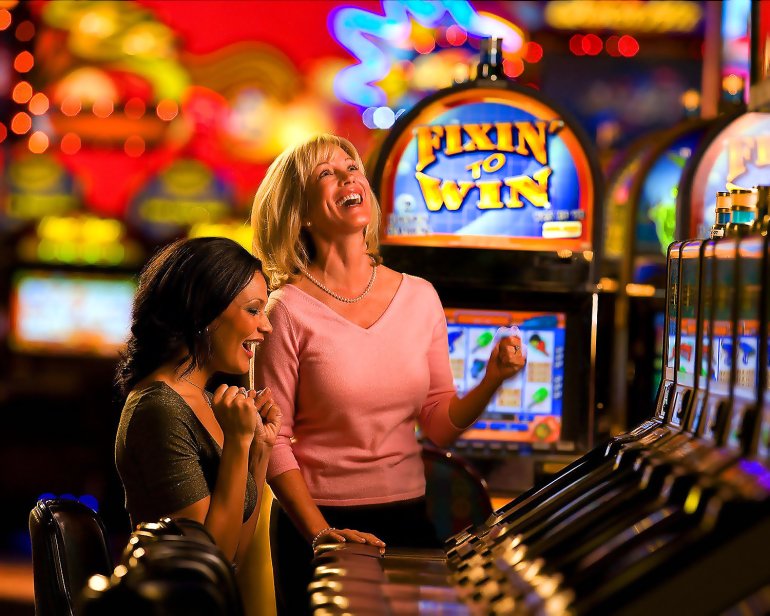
{"points": [[528, 407], [66, 313]]}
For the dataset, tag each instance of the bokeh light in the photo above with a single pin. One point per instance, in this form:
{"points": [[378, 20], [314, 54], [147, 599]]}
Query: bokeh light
{"points": [[25, 31], [39, 104], [21, 123], [628, 46], [38, 142], [103, 108], [70, 143], [134, 146], [70, 106], [22, 92], [167, 110], [134, 108], [24, 62], [533, 52]]}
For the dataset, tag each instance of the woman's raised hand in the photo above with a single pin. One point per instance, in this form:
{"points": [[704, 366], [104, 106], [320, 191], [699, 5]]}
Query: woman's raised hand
{"points": [[268, 416], [508, 357], [234, 411]]}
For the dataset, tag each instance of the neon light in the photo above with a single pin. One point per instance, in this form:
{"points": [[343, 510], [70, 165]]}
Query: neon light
{"points": [[351, 27]]}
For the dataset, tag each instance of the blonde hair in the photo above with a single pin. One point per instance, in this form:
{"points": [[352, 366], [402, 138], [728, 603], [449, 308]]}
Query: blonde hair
{"points": [[280, 241]]}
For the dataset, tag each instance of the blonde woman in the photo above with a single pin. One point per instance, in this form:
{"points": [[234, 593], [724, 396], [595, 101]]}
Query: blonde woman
{"points": [[358, 357]]}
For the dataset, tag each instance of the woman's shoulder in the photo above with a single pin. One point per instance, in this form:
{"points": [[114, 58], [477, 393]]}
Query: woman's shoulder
{"points": [[155, 404]]}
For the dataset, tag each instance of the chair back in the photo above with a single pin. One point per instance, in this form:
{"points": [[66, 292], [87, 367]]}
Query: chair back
{"points": [[69, 545], [170, 567], [456, 494]]}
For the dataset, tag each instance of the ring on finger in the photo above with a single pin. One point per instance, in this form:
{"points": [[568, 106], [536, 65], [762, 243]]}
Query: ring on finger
{"points": [[243, 392]]}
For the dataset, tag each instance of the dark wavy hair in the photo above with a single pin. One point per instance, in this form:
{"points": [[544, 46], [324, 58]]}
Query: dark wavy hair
{"points": [[182, 289]]}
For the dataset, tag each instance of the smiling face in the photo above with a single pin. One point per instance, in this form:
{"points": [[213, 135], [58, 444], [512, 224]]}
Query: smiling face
{"points": [[244, 321], [338, 196]]}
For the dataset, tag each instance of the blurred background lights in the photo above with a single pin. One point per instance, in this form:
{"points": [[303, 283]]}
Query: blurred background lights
{"points": [[38, 142], [25, 31], [70, 143], [384, 117], [5, 19], [21, 123], [103, 108], [22, 92], [732, 84], [628, 46], [70, 106], [24, 62], [134, 108], [167, 110], [134, 146], [38, 104], [691, 100]]}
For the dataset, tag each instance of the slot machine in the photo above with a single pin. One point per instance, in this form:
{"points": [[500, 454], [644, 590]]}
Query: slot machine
{"points": [[640, 223], [492, 193], [731, 156]]}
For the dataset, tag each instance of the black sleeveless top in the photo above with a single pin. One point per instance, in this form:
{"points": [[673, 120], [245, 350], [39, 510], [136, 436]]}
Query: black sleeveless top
{"points": [[166, 458]]}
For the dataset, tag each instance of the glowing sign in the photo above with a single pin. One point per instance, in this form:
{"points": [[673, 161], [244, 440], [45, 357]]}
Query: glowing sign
{"points": [[354, 28], [488, 168], [652, 16], [738, 156]]}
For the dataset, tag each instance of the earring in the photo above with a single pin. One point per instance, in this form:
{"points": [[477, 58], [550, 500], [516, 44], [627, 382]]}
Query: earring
{"points": [[308, 223]]}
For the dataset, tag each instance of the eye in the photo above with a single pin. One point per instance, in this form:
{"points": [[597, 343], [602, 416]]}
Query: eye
{"points": [[324, 173], [253, 311], [353, 167]]}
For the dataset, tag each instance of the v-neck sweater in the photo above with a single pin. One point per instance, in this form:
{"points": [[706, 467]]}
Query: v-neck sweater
{"points": [[351, 396]]}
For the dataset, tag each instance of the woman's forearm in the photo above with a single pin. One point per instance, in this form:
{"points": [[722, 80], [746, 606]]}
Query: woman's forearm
{"points": [[464, 411], [292, 493], [224, 518], [257, 468]]}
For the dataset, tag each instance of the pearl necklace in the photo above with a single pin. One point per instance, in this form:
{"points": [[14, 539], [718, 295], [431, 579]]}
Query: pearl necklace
{"points": [[337, 296], [203, 392]]}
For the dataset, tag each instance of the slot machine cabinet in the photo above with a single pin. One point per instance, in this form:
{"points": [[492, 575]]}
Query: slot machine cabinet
{"points": [[641, 215], [492, 193], [733, 155]]}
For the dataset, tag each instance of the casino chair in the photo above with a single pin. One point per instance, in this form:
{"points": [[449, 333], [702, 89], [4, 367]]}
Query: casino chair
{"points": [[69, 545], [456, 494], [170, 567]]}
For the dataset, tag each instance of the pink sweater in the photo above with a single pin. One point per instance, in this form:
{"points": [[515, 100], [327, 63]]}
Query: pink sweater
{"points": [[351, 396]]}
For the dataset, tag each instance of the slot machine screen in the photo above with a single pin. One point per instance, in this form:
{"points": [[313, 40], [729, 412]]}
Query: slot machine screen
{"points": [[722, 328], [671, 316], [747, 336], [656, 209], [688, 313], [65, 313], [528, 407]]}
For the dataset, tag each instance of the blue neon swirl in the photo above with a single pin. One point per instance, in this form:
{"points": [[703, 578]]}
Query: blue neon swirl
{"points": [[352, 26]]}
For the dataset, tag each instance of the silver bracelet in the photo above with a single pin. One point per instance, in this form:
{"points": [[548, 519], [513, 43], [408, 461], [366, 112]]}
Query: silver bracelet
{"points": [[319, 534]]}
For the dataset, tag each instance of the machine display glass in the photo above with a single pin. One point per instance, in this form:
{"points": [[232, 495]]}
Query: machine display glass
{"points": [[672, 296], [737, 156], [747, 336], [656, 209], [723, 332], [488, 169], [688, 305], [528, 407], [70, 313]]}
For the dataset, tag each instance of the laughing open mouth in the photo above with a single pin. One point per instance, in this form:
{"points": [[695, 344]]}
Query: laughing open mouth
{"points": [[350, 200]]}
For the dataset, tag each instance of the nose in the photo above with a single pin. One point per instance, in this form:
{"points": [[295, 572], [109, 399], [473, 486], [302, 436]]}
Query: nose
{"points": [[264, 325]]}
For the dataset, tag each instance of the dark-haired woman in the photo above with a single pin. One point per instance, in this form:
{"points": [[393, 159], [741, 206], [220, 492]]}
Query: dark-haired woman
{"points": [[180, 450]]}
